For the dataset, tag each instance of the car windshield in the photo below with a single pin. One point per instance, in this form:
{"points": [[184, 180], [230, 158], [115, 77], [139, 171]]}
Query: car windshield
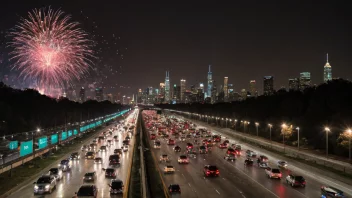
{"points": [[116, 184], [110, 170], [90, 153], [97, 159], [85, 191], [183, 157], [275, 170], [175, 187], [54, 170], [43, 180], [202, 147], [299, 178], [89, 174], [64, 162], [213, 168]]}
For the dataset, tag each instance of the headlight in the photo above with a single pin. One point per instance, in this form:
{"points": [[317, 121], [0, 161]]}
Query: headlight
{"points": [[59, 164], [36, 187], [47, 186], [64, 166]]}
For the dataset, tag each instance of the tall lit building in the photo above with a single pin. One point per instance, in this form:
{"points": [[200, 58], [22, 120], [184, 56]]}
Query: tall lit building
{"points": [[162, 89], [201, 86], [268, 85], [150, 89], [327, 70], [226, 93], [231, 92], [210, 83], [214, 92], [244, 94], [253, 88], [176, 93], [167, 87], [99, 94], [304, 80], [293, 84], [183, 89], [82, 95]]}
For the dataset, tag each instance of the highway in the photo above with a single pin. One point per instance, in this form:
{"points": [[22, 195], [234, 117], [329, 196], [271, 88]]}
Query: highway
{"points": [[72, 180], [236, 180]]}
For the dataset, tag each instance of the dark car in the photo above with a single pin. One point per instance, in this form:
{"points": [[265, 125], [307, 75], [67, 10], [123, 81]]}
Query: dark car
{"points": [[262, 158], [114, 159], [295, 180], [203, 150], [189, 146], [118, 151], [210, 170], [74, 156], [116, 138], [91, 176], [110, 172], [98, 160], [56, 172], [330, 192], [231, 151], [177, 149], [174, 188], [116, 186], [248, 162], [126, 142], [87, 191], [90, 155], [102, 149]]}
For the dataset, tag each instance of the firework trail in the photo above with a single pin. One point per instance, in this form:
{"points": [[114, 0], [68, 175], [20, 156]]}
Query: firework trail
{"points": [[50, 48]]}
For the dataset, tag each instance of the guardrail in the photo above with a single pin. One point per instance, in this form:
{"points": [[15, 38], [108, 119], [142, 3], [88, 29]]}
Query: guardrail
{"points": [[141, 151], [62, 138]]}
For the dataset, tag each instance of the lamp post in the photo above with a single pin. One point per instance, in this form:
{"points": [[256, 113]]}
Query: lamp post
{"points": [[235, 124], [327, 130], [226, 122], [248, 127], [270, 126], [284, 126], [349, 144], [298, 137], [257, 125]]}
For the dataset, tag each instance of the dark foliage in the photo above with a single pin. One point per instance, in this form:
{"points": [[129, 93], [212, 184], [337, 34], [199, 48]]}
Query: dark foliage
{"points": [[22, 111], [326, 105]]}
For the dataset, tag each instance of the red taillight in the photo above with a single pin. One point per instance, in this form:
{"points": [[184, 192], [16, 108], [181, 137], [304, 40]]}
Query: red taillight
{"points": [[280, 175], [170, 190], [208, 172]]}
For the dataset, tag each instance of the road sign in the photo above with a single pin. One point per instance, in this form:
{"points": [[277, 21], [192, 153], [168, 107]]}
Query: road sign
{"points": [[42, 142], [64, 135], [69, 133], [26, 148], [75, 132], [54, 139], [13, 145]]}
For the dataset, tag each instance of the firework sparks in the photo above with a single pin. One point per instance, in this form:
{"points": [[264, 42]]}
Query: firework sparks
{"points": [[50, 48]]}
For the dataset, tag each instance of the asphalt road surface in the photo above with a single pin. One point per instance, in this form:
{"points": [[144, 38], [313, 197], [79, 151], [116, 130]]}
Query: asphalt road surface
{"points": [[72, 180]]}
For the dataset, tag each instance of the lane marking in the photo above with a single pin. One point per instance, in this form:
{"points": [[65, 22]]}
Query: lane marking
{"points": [[189, 184], [217, 191]]}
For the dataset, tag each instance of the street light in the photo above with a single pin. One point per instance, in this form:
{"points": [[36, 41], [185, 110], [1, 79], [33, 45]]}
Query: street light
{"points": [[235, 123], [270, 126], [298, 136], [248, 126], [226, 122], [38, 130], [257, 124], [284, 126], [327, 130], [349, 144]]}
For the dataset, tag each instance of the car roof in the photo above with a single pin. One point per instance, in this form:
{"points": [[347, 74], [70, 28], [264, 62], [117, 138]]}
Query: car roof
{"points": [[332, 189], [116, 180], [87, 186]]}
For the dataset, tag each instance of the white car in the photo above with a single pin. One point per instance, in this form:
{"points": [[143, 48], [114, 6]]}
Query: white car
{"points": [[183, 159], [230, 157], [273, 173], [263, 165], [169, 169], [282, 164], [125, 148]]}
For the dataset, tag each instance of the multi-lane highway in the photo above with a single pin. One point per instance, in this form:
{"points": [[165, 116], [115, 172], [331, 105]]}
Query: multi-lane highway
{"points": [[235, 180], [73, 179]]}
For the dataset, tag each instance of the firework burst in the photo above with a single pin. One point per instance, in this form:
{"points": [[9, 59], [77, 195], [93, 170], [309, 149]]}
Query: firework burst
{"points": [[50, 48]]}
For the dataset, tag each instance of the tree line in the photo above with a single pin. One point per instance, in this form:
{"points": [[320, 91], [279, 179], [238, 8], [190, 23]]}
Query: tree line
{"points": [[326, 105], [26, 110]]}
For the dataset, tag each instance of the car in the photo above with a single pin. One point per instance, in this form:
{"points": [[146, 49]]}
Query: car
{"points": [[164, 158], [65, 165], [183, 138], [188, 136], [329, 192], [75, 156], [183, 159], [84, 148], [294, 180], [114, 159], [273, 173], [90, 155], [203, 150], [211, 170], [251, 153], [262, 158], [118, 151], [171, 142], [109, 142], [93, 147], [56, 172], [87, 191], [45, 184], [174, 188], [238, 151], [98, 160], [226, 142], [230, 157], [282, 164], [152, 136], [126, 142], [90, 176], [177, 149], [238, 147], [102, 149], [125, 148], [157, 145], [110, 172], [231, 151], [223, 145], [169, 169], [116, 186], [216, 138], [128, 138], [263, 164], [248, 162], [116, 138], [189, 146]]}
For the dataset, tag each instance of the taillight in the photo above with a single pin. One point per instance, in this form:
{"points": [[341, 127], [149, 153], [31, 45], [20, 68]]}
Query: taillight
{"points": [[280, 175], [208, 172]]}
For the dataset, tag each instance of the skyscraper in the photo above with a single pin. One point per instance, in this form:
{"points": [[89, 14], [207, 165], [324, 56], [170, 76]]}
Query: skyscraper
{"points": [[210, 82], [214, 91], [304, 80], [99, 94], [231, 92], [162, 89], [327, 70], [167, 87], [226, 93], [253, 88], [293, 84], [243, 94], [82, 95], [183, 89], [268, 85], [176, 93]]}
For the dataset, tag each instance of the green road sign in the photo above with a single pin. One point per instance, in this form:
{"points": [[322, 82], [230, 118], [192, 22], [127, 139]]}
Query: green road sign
{"points": [[42, 142], [64, 135], [54, 139], [26, 148], [75, 132], [13, 145], [69, 133]]}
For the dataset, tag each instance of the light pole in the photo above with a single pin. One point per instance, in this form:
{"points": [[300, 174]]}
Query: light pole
{"points": [[248, 127], [226, 122], [284, 126], [257, 125], [349, 144], [298, 136], [270, 126], [327, 130], [235, 124]]}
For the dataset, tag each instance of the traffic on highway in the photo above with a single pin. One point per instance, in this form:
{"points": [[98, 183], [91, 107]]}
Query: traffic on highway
{"points": [[198, 162], [98, 169]]}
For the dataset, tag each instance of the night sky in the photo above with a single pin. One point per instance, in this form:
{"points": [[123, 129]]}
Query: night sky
{"points": [[138, 42]]}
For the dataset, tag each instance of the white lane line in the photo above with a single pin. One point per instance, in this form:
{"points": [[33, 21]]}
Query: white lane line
{"points": [[189, 184], [217, 191]]}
